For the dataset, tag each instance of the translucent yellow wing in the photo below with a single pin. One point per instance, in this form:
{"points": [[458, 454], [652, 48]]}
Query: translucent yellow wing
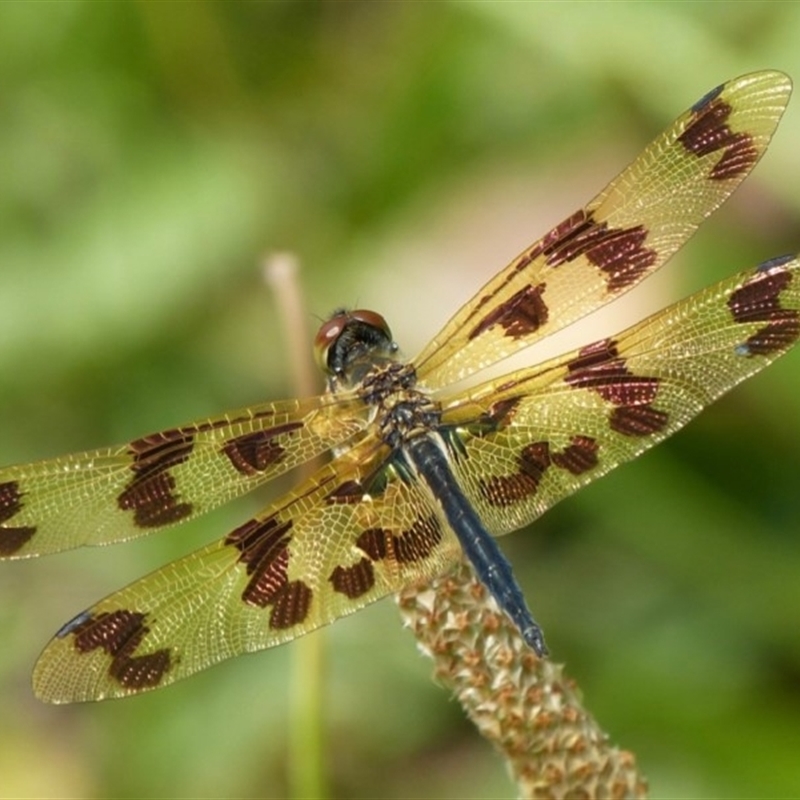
{"points": [[353, 533], [119, 493], [627, 232], [534, 437]]}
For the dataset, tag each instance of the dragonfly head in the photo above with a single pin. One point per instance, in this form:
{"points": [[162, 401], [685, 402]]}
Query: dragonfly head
{"points": [[350, 343]]}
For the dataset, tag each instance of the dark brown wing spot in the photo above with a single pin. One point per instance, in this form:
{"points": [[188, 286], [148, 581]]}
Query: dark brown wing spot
{"points": [[12, 538], [499, 415], [410, 545], [638, 420], [618, 252], [594, 354], [373, 542], [552, 243], [578, 457], [255, 452], [502, 412], [779, 335], [506, 490], [291, 605], [709, 133], [418, 541], [154, 501], [10, 500], [599, 368], [534, 460], [269, 578], [622, 256], [265, 553], [151, 494], [141, 672], [739, 158], [759, 301], [119, 634], [572, 238], [114, 631], [160, 451], [264, 547], [522, 314], [354, 581], [349, 492]]}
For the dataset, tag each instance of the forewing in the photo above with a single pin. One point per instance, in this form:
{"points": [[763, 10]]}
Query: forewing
{"points": [[353, 533], [115, 494], [621, 237], [540, 434]]}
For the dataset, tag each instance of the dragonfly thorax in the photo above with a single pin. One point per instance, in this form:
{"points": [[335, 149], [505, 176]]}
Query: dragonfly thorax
{"points": [[406, 415]]}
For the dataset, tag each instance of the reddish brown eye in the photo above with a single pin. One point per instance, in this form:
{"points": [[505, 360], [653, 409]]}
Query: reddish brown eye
{"points": [[336, 336], [326, 336], [371, 319]]}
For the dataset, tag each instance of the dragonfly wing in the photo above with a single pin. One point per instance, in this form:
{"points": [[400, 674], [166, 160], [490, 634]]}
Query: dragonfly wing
{"points": [[536, 436], [351, 534], [623, 235], [114, 494]]}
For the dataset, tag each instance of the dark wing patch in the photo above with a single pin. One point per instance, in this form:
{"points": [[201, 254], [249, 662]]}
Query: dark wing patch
{"points": [[619, 253], [354, 581], [600, 368], [643, 420], [579, 456], [291, 605], [509, 488], [154, 501], [151, 494], [255, 452], [119, 634], [12, 538], [709, 132], [263, 545], [412, 544], [521, 315], [759, 300], [532, 463]]}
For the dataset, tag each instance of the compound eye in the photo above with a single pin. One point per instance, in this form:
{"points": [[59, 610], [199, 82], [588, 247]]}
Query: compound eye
{"points": [[344, 330], [326, 337], [372, 320]]}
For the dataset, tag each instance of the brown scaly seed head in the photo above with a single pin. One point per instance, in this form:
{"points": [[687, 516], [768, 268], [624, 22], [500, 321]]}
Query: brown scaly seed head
{"points": [[524, 705]]}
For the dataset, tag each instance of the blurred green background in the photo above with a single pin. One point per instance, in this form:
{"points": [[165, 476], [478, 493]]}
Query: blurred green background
{"points": [[151, 154]]}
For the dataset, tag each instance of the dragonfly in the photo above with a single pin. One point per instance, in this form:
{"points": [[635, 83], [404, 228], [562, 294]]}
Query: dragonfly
{"points": [[420, 472]]}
